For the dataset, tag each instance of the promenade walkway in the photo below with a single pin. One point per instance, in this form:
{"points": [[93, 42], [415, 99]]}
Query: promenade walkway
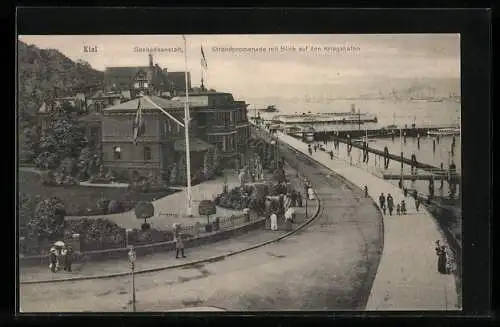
{"points": [[407, 277]]}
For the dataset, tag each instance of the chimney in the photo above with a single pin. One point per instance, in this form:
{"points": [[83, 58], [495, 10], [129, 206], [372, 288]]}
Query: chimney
{"points": [[150, 60]]}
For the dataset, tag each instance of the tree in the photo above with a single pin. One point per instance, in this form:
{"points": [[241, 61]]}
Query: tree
{"points": [[48, 221], [63, 138], [28, 143], [89, 162], [207, 208], [27, 207], [279, 176], [144, 210]]}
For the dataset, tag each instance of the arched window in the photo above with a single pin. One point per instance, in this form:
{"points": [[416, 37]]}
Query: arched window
{"points": [[117, 153], [147, 153]]}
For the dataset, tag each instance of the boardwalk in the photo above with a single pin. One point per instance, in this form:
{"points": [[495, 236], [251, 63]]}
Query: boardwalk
{"points": [[407, 277]]}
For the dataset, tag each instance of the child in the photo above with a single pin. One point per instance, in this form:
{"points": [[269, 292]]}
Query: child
{"points": [[398, 209]]}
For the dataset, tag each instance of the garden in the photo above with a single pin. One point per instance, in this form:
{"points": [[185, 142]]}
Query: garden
{"points": [[90, 200], [253, 196]]}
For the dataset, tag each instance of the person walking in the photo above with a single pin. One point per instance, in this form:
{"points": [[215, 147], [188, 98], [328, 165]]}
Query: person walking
{"points": [[299, 200], [331, 154], [417, 203], [390, 203], [293, 199], [403, 207], [179, 246], [366, 191], [310, 193], [398, 209], [381, 202]]}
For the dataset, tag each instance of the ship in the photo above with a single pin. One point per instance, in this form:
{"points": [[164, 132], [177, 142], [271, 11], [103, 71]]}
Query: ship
{"points": [[444, 132], [332, 118], [271, 108]]}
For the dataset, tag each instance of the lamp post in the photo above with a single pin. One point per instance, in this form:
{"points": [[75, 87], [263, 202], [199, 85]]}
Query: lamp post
{"points": [[132, 257], [274, 144], [306, 187], [127, 235]]}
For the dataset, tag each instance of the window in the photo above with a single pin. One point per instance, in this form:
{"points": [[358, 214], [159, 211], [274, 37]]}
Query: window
{"points": [[117, 153], [147, 153], [168, 127]]}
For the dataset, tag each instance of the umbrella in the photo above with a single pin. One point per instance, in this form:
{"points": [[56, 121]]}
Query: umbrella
{"points": [[59, 243]]}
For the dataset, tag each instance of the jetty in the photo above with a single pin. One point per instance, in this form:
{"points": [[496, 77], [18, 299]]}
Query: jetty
{"points": [[322, 132]]}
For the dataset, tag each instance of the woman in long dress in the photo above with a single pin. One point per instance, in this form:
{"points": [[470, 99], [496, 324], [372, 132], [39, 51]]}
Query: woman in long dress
{"points": [[53, 259], [274, 221], [441, 253]]}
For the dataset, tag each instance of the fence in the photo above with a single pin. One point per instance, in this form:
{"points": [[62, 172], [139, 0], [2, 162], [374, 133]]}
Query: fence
{"points": [[120, 239]]}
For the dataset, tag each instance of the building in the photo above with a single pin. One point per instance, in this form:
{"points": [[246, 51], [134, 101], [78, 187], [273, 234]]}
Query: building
{"points": [[176, 81], [219, 133], [223, 122], [150, 79]]}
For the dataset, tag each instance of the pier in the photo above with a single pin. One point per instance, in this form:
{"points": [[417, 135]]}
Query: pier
{"points": [[354, 131], [406, 276]]}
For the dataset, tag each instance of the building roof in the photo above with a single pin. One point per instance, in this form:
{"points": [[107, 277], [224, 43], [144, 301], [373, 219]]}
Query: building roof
{"points": [[128, 72], [146, 105]]}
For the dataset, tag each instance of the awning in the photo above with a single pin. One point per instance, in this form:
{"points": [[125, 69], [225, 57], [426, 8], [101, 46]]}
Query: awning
{"points": [[195, 145]]}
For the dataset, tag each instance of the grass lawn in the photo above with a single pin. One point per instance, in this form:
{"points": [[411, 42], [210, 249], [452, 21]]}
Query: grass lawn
{"points": [[78, 198]]}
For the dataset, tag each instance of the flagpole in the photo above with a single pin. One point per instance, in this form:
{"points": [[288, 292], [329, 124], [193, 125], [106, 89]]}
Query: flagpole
{"points": [[186, 132]]}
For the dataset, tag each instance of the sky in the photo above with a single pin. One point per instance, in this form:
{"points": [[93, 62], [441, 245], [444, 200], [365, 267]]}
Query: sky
{"points": [[332, 64]]}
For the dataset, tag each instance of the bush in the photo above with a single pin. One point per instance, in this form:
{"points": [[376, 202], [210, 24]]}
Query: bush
{"points": [[139, 237], [48, 179], [277, 190], [27, 206], [145, 226], [97, 233], [114, 207], [110, 176], [102, 205], [48, 221]]}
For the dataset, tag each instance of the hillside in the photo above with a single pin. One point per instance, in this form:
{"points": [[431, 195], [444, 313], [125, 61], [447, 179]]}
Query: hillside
{"points": [[46, 73]]}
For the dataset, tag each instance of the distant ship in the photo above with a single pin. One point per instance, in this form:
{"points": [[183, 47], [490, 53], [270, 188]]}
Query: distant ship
{"points": [[309, 119], [444, 132], [271, 108]]}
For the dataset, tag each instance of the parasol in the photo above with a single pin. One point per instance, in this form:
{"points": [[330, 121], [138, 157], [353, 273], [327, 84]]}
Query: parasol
{"points": [[59, 243]]}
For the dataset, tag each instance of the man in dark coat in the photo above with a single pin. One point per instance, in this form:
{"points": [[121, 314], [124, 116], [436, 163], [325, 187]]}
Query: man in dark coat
{"points": [[293, 199], [299, 200], [381, 202], [390, 204]]}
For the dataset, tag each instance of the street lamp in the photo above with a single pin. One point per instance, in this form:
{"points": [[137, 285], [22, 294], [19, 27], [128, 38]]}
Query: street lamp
{"points": [[127, 237], [132, 257], [274, 144]]}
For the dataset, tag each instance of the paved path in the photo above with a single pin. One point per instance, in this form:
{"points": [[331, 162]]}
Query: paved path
{"points": [[330, 265], [407, 277], [171, 209]]}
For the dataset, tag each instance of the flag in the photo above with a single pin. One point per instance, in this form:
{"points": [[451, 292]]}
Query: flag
{"points": [[138, 127], [203, 59]]}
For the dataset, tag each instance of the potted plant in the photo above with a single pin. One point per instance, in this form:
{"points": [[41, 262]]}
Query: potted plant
{"points": [[207, 208], [144, 210]]}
